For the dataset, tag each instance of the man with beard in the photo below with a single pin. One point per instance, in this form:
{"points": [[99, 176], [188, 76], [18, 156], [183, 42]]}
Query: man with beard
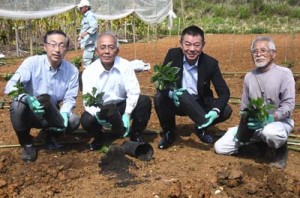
{"points": [[276, 86], [193, 96]]}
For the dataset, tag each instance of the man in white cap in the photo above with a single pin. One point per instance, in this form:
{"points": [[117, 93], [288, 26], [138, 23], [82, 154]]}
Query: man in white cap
{"points": [[88, 32]]}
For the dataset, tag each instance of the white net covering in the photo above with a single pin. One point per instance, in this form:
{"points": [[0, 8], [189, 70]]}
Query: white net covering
{"points": [[150, 11]]}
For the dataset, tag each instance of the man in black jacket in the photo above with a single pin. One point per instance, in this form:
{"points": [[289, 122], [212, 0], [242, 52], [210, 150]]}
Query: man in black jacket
{"points": [[193, 96]]}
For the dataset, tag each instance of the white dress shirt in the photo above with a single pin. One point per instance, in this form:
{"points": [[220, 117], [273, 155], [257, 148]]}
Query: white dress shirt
{"points": [[118, 84]]}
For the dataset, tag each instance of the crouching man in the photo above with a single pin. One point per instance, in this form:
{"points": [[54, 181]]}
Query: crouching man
{"points": [[124, 108], [47, 78], [276, 86]]}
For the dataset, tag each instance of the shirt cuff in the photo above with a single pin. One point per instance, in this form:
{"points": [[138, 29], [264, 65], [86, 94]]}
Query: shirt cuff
{"points": [[216, 110]]}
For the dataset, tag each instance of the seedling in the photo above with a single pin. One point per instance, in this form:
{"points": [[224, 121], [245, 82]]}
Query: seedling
{"points": [[19, 90], [257, 109], [93, 99], [165, 76]]}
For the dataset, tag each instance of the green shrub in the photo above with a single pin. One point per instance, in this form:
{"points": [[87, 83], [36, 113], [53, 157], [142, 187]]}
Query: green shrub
{"points": [[294, 2], [258, 30], [77, 61], [288, 63], [244, 12], [295, 13]]}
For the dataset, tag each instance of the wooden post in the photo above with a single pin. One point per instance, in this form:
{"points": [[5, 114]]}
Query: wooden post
{"points": [[133, 32], [75, 30], [30, 36], [17, 39]]}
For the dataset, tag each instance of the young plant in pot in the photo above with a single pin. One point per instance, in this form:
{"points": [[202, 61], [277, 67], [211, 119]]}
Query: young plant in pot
{"points": [[256, 110], [91, 99], [51, 117], [96, 100], [165, 77]]}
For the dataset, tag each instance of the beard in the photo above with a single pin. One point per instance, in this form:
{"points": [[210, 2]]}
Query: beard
{"points": [[262, 63]]}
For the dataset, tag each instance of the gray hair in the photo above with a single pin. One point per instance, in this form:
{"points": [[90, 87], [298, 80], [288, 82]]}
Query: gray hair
{"points": [[263, 38], [108, 34]]}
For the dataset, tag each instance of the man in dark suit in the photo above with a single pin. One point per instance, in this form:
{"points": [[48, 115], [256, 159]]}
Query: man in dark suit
{"points": [[193, 96]]}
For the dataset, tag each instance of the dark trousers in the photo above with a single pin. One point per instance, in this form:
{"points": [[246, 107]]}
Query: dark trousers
{"points": [[23, 119], [189, 106], [113, 114]]}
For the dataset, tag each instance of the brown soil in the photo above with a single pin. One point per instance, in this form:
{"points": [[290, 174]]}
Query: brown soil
{"points": [[187, 169]]}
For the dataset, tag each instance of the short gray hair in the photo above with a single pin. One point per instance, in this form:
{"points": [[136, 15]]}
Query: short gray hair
{"points": [[108, 34], [263, 38]]}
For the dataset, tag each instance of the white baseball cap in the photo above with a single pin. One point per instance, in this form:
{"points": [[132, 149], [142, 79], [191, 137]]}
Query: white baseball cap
{"points": [[83, 3]]}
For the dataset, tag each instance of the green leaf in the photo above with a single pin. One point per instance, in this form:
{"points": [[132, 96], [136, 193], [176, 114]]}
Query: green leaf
{"points": [[19, 90], [165, 76], [257, 109], [93, 99]]}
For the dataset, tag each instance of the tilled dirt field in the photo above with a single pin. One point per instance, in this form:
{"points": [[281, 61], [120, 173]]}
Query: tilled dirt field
{"points": [[187, 169]]}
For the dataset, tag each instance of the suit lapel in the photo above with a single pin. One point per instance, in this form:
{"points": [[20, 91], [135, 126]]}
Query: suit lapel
{"points": [[201, 74]]}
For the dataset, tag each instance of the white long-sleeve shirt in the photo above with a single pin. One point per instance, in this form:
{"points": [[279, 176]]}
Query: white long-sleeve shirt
{"points": [[118, 84], [277, 86], [38, 77]]}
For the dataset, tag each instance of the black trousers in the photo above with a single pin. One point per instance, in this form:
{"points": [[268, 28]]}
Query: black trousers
{"points": [[189, 106], [113, 114], [23, 119]]}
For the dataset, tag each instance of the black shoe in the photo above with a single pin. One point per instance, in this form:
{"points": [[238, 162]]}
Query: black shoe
{"points": [[29, 153], [281, 156], [204, 136], [167, 140], [51, 143], [96, 144], [136, 137]]}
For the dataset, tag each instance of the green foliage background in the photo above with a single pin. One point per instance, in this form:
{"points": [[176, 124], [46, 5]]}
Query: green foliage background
{"points": [[214, 16]]}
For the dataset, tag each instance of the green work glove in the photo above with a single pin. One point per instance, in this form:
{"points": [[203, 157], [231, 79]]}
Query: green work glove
{"points": [[35, 105], [65, 117], [104, 123], [254, 123], [126, 123], [210, 116], [175, 94]]}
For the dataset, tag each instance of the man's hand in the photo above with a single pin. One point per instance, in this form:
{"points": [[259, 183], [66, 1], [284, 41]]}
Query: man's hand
{"points": [[126, 123], [83, 35], [210, 116], [35, 105], [65, 116], [175, 94], [254, 124]]}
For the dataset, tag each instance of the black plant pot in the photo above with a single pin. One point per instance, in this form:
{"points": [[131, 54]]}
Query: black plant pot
{"points": [[52, 117], [244, 134], [140, 150]]}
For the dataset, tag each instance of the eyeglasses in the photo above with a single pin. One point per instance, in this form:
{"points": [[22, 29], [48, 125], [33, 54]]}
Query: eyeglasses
{"points": [[61, 46], [109, 47], [263, 51]]}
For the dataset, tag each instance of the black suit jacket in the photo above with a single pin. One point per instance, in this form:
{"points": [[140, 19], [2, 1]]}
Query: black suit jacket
{"points": [[208, 72]]}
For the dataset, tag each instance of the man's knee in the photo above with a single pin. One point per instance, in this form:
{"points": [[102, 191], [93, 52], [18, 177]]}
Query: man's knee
{"points": [[274, 136], [74, 121], [218, 147]]}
